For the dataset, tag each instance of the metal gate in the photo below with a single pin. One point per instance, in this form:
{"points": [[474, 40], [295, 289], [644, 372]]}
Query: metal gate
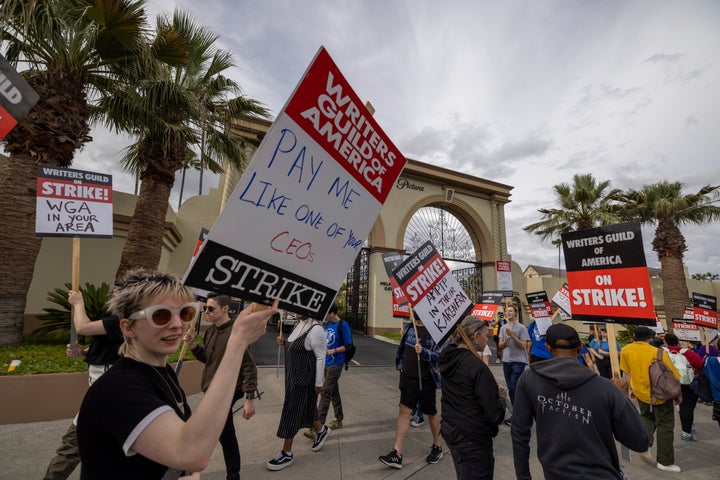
{"points": [[470, 280], [356, 293]]}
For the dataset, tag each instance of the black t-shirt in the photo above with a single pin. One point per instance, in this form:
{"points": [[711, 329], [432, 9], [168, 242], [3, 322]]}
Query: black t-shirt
{"points": [[115, 410], [103, 349]]}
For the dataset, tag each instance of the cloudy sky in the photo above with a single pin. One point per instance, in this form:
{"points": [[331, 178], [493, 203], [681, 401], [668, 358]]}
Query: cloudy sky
{"points": [[526, 93]]}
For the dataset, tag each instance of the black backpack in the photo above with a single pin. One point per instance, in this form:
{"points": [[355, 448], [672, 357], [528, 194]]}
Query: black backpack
{"points": [[701, 385], [349, 348]]}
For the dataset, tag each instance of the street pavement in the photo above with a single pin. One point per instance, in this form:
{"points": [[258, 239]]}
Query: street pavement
{"points": [[370, 398]]}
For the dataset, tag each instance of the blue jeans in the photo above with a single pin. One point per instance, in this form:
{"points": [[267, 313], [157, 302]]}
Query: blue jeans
{"points": [[472, 461], [512, 371]]}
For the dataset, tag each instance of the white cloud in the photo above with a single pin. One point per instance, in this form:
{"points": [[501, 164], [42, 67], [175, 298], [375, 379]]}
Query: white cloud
{"points": [[523, 93]]}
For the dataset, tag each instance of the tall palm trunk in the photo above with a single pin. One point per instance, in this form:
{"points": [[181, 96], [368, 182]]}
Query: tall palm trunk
{"points": [[142, 248], [669, 243], [18, 186]]}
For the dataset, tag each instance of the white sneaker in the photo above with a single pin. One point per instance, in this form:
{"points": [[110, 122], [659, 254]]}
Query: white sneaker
{"points": [[669, 468]]}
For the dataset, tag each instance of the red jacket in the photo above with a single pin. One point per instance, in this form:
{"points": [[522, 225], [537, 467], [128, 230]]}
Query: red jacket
{"points": [[695, 360]]}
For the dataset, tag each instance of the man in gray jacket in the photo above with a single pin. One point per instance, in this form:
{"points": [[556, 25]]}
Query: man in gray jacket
{"points": [[579, 415]]}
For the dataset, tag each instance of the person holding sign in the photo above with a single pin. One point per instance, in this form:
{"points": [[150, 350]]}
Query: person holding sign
{"points": [[106, 338], [416, 359], [635, 360], [135, 420], [211, 353], [579, 416], [472, 403], [688, 363], [514, 340]]}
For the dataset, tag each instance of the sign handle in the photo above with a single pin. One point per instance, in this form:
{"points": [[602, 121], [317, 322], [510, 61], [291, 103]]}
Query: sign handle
{"points": [[417, 342], [612, 346], [277, 365], [75, 285]]}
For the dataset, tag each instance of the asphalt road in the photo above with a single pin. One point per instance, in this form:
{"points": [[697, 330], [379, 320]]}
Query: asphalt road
{"points": [[371, 352]]}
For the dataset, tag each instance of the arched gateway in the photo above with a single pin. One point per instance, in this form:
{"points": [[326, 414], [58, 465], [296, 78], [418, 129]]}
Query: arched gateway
{"points": [[463, 216]]}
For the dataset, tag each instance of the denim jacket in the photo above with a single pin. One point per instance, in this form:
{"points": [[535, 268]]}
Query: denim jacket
{"points": [[430, 352]]}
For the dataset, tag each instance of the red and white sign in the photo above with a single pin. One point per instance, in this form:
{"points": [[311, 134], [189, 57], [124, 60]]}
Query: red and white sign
{"points": [[705, 310], [433, 291], [485, 311], [607, 275], [306, 203], [562, 300], [73, 203], [17, 97], [504, 275], [400, 305], [685, 329], [540, 310]]}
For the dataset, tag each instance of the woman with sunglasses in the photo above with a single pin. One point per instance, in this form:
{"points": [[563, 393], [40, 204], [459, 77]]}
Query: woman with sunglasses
{"points": [[135, 420]]}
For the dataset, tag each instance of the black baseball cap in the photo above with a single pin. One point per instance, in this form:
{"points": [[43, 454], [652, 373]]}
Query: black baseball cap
{"points": [[562, 336]]}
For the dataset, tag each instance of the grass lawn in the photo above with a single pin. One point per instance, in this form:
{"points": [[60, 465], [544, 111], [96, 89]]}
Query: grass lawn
{"points": [[48, 357]]}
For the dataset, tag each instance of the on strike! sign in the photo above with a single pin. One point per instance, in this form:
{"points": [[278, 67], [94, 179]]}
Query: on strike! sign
{"points": [[433, 291], [73, 203], [301, 211], [705, 310], [607, 275]]}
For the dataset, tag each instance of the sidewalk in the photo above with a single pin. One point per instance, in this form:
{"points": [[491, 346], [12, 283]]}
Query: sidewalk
{"points": [[370, 399]]}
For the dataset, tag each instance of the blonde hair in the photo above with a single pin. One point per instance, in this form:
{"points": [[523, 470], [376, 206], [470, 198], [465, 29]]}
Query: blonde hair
{"points": [[137, 287], [469, 326]]}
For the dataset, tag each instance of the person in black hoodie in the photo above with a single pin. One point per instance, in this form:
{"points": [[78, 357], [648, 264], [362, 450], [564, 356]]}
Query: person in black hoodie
{"points": [[472, 403], [576, 411]]}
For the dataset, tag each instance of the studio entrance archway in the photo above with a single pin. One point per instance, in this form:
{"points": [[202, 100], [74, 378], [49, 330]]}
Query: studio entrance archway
{"points": [[454, 242]]}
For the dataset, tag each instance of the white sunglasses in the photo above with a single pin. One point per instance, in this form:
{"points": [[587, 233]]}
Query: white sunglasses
{"points": [[160, 315]]}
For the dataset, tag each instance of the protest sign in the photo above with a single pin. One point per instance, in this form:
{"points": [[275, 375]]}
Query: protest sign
{"points": [[685, 329], [540, 310], [485, 311], [504, 275], [73, 203], [705, 310], [400, 305], [689, 313], [16, 97], [432, 290], [306, 202], [607, 275], [562, 300]]}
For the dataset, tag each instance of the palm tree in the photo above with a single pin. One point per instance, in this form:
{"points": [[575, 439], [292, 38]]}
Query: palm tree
{"points": [[665, 204], [67, 47], [584, 204], [169, 114]]}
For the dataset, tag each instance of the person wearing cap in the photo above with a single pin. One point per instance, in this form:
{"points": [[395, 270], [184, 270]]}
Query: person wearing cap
{"points": [[576, 411], [635, 361]]}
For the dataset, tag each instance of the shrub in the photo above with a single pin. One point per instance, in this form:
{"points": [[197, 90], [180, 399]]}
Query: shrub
{"points": [[56, 321]]}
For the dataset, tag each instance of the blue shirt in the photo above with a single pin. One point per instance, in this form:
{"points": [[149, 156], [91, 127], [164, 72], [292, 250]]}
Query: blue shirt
{"points": [[333, 341], [538, 342]]}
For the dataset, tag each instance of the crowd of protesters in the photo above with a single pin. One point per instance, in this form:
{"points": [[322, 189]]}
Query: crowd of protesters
{"points": [[137, 419]]}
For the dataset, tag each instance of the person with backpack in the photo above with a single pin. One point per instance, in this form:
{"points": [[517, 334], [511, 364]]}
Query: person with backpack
{"points": [[688, 363], [657, 414], [339, 341], [712, 370]]}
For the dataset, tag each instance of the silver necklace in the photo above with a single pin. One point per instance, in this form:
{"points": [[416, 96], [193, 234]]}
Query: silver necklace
{"points": [[172, 389]]}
